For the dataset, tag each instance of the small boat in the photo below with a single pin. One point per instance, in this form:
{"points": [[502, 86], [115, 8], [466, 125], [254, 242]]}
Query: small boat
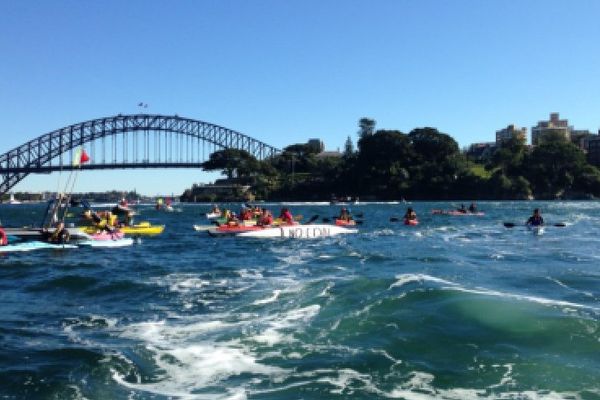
{"points": [[143, 228], [229, 230], [107, 243], [200, 228], [298, 231], [107, 236], [456, 213], [295, 231], [34, 245]]}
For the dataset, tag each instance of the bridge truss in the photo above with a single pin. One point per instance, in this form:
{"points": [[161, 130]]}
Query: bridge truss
{"points": [[126, 141]]}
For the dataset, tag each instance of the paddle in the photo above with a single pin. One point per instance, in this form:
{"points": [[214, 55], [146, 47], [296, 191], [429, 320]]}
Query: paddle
{"points": [[512, 224], [311, 220], [325, 219], [394, 219]]}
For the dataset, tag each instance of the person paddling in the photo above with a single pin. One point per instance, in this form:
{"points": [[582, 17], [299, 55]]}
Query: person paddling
{"points": [[536, 219], [345, 215], [410, 215], [472, 208], [286, 217], [266, 218]]}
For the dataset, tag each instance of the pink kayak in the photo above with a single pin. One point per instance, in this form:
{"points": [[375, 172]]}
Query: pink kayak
{"points": [[116, 235], [411, 222]]}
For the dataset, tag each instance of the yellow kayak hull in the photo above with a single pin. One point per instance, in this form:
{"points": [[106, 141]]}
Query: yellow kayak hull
{"points": [[143, 228]]}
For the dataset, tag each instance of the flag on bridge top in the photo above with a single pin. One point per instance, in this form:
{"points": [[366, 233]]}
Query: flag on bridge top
{"points": [[80, 157]]}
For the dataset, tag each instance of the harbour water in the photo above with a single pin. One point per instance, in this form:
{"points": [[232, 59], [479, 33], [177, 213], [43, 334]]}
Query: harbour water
{"points": [[454, 308]]}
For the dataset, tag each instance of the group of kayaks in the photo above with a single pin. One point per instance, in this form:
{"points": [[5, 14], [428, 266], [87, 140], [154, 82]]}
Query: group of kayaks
{"points": [[92, 235]]}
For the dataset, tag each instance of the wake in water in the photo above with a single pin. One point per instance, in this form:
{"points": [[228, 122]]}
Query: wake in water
{"points": [[450, 309]]}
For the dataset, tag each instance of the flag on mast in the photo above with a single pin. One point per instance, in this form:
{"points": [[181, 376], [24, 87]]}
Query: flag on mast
{"points": [[80, 157]]}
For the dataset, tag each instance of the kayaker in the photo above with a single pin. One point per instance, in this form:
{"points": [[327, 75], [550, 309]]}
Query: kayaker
{"points": [[536, 219], [60, 234], [266, 218], [232, 219], [345, 215], [462, 209], [246, 214], [215, 209], [472, 208], [3, 238], [286, 217], [410, 215], [124, 212]]}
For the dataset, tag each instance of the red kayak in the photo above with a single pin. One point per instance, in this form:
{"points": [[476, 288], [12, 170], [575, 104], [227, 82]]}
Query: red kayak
{"points": [[411, 222], [343, 222]]}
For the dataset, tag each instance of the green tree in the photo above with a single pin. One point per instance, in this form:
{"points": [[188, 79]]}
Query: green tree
{"points": [[348, 147], [366, 127], [553, 166], [233, 162]]}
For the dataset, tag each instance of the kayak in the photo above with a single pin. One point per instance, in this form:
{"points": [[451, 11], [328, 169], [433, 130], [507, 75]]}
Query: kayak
{"points": [[107, 243], [537, 230], [298, 231], [411, 222], [106, 236], [213, 215], [228, 230], [143, 228], [456, 213], [200, 228], [34, 245], [38, 233], [343, 222]]}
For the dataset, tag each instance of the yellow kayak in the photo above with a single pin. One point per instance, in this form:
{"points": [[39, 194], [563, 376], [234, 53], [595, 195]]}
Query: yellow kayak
{"points": [[143, 228]]}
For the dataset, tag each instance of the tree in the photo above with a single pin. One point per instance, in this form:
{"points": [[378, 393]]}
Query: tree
{"points": [[366, 127], [234, 163], [348, 147], [509, 156], [382, 163], [433, 145], [553, 167]]}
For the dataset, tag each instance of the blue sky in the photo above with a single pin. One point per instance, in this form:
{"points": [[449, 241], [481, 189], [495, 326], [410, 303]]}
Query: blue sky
{"points": [[287, 71]]}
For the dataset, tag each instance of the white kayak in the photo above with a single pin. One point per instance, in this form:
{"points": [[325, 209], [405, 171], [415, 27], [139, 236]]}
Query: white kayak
{"points": [[213, 215], [200, 228], [298, 231], [34, 245], [536, 230], [107, 243]]}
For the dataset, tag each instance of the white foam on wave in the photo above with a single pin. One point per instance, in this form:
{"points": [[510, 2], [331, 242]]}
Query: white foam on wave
{"points": [[188, 360], [280, 327], [162, 333], [534, 299], [404, 279], [271, 299], [559, 283], [250, 273]]}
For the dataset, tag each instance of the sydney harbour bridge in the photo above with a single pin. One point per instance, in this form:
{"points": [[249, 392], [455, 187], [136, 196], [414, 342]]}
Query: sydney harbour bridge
{"points": [[126, 141]]}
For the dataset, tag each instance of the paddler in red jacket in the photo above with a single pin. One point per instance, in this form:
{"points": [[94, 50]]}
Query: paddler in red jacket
{"points": [[286, 217], [266, 218]]}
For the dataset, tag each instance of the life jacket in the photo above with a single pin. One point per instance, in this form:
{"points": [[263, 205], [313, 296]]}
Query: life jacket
{"points": [[3, 238]]}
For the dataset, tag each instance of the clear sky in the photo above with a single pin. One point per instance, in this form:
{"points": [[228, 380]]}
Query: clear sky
{"points": [[287, 71]]}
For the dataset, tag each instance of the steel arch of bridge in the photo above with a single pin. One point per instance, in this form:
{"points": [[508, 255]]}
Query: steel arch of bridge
{"points": [[37, 155]]}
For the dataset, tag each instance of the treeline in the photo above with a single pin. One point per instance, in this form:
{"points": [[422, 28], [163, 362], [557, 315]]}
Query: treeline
{"points": [[423, 164]]}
